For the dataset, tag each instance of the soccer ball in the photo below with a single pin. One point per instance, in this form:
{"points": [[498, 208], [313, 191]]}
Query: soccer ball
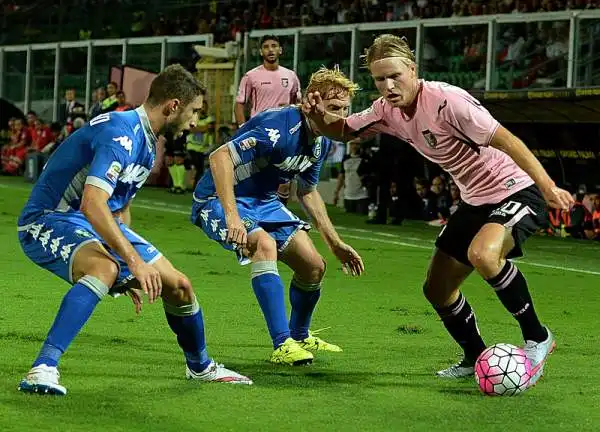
{"points": [[503, 370]]}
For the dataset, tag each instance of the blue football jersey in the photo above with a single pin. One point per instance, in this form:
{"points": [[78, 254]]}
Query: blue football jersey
{"points": [[114, 151], [270, 149]]}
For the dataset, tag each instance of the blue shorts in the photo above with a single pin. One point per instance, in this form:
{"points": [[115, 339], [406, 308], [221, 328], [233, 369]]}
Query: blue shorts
{"points": [[54, 238], [271, 216]]}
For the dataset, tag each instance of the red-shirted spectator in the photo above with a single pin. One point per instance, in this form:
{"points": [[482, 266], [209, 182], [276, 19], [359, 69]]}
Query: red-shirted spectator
{"points": [[13, 154], [41, 136], [31, 118]]}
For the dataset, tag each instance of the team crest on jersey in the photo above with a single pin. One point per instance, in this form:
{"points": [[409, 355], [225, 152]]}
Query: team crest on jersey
{"points": [[429, 138], [317, 148], [248, 143], [113, 172], [284, 82], [248, 223]]}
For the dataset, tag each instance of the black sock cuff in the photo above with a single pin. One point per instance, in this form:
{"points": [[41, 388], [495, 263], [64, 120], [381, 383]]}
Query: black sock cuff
{"points": [[505, 277], [453, 309]]}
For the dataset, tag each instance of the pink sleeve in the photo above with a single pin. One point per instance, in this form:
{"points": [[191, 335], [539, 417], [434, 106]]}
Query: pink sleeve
{"points": [[468, 119], [244, 90], [367, 122], [296, 91]]}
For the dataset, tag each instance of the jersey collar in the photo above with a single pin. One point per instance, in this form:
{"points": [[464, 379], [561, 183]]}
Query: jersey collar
{"points": [[148, 132]]}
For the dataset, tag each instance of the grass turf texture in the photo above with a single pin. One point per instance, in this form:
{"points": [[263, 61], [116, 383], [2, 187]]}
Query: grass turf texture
{"points": [[125, 372]]}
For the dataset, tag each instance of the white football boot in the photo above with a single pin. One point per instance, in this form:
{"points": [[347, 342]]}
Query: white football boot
{"points": [[461, 369], [42, 380], [216, 372], [537, 353]]}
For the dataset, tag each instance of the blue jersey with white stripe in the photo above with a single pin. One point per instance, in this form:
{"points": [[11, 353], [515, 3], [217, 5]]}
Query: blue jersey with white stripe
{"points": [[114, 151], [270, 149]]}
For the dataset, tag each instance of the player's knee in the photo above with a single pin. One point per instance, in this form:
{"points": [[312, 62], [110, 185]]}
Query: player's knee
{"points": [[105, 270], [483, 256], [181, 293], [266, 249], [317, 269]]}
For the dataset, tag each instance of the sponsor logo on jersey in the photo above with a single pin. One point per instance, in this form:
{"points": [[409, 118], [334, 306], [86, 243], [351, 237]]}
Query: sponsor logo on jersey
{"points": [[274, 135], [125, 142], [135, 174], [113, 172], [248, 143], [429, 138], [284, 82], [298, 163], [510, 183]]}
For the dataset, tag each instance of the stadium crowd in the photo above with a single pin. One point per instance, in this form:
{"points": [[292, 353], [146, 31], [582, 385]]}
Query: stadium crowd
{"points": [[225, 19]]}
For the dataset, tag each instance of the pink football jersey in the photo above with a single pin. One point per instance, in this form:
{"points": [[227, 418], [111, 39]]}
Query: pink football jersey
{"points": [[266, 89], [451, 128]]}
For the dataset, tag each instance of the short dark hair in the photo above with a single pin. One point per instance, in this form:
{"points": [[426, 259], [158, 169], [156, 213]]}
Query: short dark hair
{"points": [[120, 92], [175, 82], [32, 113], [269, 37]]}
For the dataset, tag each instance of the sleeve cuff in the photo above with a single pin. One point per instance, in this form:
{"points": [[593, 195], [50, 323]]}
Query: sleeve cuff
{"points": [[235, 156], [100, 183]]}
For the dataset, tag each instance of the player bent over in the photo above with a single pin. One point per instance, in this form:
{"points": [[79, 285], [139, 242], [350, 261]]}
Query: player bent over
{"points": [[504, 188], [76, 225], [236, 204]]}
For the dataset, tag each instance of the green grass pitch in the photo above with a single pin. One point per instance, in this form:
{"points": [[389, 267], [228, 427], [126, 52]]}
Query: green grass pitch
{"points": [[125, 372]]}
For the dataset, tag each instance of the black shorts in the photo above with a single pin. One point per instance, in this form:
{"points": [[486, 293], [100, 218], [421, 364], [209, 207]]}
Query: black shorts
{"points": [[523, 212]]}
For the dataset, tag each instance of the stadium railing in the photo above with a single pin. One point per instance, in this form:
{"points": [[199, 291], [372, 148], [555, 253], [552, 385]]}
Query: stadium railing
{"points": [[34, 77]]}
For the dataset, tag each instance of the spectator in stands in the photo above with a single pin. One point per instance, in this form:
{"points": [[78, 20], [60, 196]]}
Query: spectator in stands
{"points": [[428, 202], [396, 212], [13, 154], [353, 169], [110, 102], [594, 233], [454, 198], [99, 96], [200, 142], [41, 137], [440, 195], [31, 118], [122, 104], [68, 106]]}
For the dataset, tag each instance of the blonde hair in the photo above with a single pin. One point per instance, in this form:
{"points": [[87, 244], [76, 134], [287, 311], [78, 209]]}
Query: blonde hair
{"points": [[388, 45], [326, 81]]}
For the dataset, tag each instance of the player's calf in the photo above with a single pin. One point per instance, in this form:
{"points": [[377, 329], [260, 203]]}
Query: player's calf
{"points": [[486, 252], [185, 319]]}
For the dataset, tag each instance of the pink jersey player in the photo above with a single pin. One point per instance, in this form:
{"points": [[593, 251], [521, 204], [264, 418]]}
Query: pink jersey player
{"points": [[451, 128], [268, 86], [503, 186], [263, 88]]}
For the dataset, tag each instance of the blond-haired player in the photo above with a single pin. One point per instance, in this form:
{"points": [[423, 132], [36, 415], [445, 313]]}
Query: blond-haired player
{"points": [[235, 204], [504, 188]]}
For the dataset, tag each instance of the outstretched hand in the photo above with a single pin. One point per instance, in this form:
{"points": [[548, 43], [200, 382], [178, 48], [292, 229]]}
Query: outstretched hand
{"points": [[351, 261]]}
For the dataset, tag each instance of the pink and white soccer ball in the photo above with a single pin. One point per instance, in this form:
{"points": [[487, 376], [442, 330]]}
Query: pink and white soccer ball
{"points": [[503, 370]]}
